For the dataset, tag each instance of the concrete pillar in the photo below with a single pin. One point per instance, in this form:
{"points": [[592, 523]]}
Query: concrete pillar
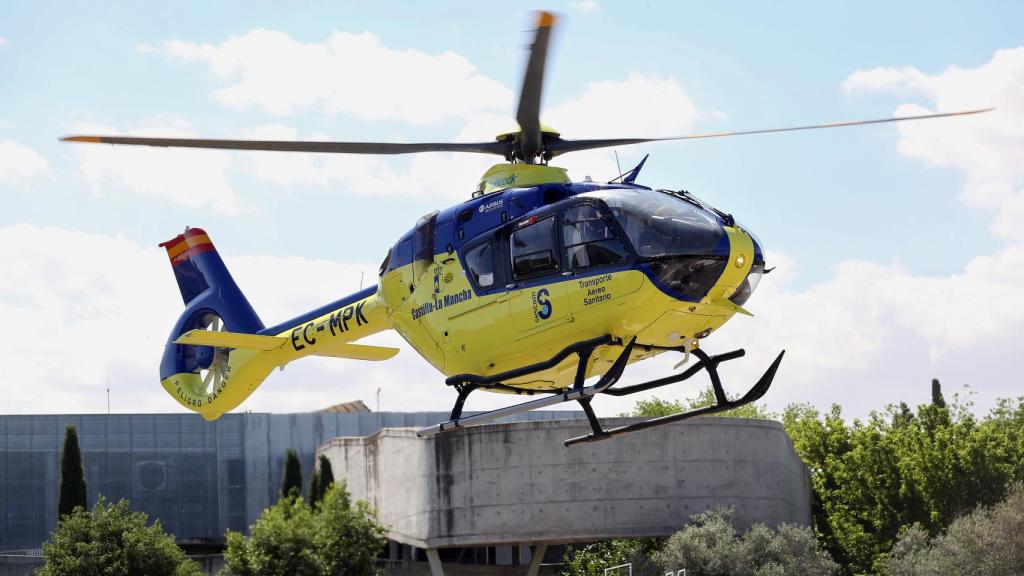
{"points": [[538, 557], [435, 562]]}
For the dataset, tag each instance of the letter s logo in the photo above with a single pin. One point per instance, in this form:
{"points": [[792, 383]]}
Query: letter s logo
{"points": [[545, 304]]}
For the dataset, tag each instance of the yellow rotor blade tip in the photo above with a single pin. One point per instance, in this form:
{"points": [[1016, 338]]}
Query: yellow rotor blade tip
{"points": [[545, 19]]}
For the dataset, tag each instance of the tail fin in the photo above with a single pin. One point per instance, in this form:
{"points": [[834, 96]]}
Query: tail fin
{"points": [[212, 302], [197, 268]]}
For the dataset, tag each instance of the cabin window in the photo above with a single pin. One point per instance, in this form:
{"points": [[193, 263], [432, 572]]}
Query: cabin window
{"points": [[423, 238], [588, 239], [404, 256], [386, 264], [534, 249], [480, 265]]}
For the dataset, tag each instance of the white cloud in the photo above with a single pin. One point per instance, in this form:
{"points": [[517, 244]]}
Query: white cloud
{"points": [[584, 6], [191, 178], [353, 74], [19, 162], [3, 40], [642, 105], [988, 148]]}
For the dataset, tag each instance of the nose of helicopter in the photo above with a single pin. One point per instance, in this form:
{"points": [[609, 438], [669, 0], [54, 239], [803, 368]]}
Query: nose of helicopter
{"points": [[753, 277]]}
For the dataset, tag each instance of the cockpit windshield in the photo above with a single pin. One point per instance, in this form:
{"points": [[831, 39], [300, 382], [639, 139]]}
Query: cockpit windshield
{"points": [[659, 224]]}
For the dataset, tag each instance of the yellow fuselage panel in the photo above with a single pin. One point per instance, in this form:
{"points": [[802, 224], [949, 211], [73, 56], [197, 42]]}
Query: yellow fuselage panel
{"points": [[460, 332]]}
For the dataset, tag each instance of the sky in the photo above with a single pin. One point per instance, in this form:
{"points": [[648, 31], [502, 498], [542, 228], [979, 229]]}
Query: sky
{"points": [[898, 249]]}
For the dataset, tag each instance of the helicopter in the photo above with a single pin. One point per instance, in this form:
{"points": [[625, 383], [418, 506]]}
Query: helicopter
{"points": [[532, 286]]}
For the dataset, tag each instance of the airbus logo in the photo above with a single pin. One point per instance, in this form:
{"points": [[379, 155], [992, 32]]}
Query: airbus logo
{"points": [[492, 205]]}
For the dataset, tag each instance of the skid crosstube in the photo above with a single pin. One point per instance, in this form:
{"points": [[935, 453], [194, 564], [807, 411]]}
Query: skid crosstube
{"points": [[467, 383]]}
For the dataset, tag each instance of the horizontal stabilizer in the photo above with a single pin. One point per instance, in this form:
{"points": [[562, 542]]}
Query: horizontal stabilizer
{"points": [[230, 340], [359, 352]]}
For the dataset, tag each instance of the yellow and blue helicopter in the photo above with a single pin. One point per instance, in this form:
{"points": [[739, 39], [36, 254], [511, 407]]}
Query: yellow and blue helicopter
{"points": [[532, 286]]}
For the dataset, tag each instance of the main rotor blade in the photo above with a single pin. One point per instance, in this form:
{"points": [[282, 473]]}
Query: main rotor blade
{"points": [[528, 113], [558, 147], [298, 146]]}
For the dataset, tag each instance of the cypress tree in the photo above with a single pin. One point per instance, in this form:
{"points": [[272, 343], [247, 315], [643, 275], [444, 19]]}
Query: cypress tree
{"points": [[937, 398], [326, 475], [72, 477], [314, 488], [322, 480], [292, 484]]}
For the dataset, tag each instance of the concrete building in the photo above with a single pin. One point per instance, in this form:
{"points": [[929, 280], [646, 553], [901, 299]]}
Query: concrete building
{"points": [[513, 490], [496, 499], [199, 478]]}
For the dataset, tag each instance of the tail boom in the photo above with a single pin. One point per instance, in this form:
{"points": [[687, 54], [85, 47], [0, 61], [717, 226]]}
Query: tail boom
{"points": [[327, 331]]}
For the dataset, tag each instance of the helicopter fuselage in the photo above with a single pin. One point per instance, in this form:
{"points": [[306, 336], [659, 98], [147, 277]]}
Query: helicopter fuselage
{"points": [[507, 279]]}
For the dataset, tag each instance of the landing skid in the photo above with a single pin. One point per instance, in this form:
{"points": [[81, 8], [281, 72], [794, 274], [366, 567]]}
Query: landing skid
{"points": [[467, 383]]}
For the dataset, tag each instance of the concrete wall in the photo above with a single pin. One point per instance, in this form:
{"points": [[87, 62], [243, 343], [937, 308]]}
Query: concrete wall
{"points": [[516, 483]]}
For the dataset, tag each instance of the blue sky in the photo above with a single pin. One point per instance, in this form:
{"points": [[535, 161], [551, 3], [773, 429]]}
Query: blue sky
{"points": [[908, 227]]}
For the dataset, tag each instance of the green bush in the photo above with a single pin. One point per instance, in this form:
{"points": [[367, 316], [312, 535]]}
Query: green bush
{"points": [[292, 538], [987, 541], [710, 546], [111, 540]]}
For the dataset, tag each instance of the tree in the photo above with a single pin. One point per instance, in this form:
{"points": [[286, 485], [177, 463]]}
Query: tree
{"points": [[986, 541], [339, 537], [322, 479], [873, 478], [592, 560], [111, 540], [72, 477], [291, 486], [710, 546]]}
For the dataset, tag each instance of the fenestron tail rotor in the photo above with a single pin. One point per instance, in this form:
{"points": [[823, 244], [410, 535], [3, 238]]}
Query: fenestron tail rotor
{"points": [[533, 143]]}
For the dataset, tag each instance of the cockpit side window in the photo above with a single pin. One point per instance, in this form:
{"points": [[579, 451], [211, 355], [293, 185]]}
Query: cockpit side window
{"points": [[423, 238], [534, 249], [588, 239], [480, 265]]}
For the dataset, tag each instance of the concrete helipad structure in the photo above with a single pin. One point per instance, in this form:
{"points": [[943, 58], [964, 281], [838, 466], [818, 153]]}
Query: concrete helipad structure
{"points": [[516, 484]]}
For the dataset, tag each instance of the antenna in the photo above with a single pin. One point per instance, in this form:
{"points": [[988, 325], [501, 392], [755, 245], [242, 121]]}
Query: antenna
{"points": [[108, 394], [361, 274], [617, 165]]}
